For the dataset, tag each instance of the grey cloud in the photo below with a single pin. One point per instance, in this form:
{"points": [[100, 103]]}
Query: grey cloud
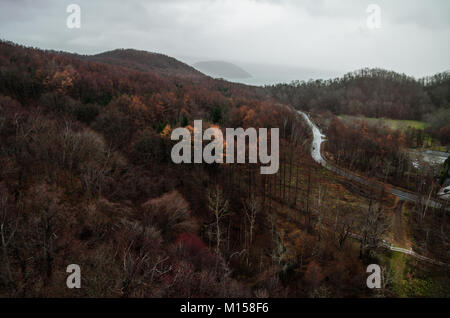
{"points": [[321, 34]]}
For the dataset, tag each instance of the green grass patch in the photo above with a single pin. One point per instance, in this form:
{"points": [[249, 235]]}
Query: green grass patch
{"points": [[411, 279], [395, 124]]}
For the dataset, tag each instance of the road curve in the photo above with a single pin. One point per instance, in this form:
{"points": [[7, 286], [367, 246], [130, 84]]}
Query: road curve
{"points": [[319, 138]]}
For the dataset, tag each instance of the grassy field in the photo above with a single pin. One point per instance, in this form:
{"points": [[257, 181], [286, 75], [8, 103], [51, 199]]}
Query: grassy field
{"points": [[409, 278], [397, 124], [391, 123]]}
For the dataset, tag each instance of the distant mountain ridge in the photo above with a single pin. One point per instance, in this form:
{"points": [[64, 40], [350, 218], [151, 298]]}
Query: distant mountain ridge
{"points": [[221, 69]]}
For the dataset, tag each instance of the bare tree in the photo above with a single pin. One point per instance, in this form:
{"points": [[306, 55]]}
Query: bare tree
{"points": [[344, 232], [6, 238], [218, 205], [308, 194], [251, 208], [320, 211], [374, 226], [144, 262], [422, 204]]}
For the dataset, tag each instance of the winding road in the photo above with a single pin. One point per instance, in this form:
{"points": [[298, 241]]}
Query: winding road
{"points": [[319, 138]]}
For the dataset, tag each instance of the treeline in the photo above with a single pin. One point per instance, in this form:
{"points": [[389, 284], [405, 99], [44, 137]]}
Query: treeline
{"points": [[438, 89], [439, 125], [369, 92]]}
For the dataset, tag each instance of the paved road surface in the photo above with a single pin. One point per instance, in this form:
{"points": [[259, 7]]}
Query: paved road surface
{"points": [[319, 138]]}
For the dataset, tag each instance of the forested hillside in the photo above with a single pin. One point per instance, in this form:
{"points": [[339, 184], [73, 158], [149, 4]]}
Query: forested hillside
{"points": [[370, 92], [376, 93], [87, 179], [145, 62]]}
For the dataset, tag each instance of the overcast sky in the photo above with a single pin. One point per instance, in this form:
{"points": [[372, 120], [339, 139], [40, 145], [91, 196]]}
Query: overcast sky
{"points": [[414, 37]]}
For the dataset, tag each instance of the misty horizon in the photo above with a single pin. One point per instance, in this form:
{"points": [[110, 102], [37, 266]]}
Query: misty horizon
{"points": [[260, 74], [316, 35]]}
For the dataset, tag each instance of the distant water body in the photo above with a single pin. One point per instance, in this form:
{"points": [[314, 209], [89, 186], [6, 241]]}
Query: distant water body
{"points": [[264, 74]]}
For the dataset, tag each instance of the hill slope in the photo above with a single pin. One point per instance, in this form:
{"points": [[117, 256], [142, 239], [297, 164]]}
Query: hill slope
{"points": [[146, 62]]}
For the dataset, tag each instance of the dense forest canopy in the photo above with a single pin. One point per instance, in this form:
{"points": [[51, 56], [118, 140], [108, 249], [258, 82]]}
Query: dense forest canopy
{"points": [[87, 178], [86, 174], [370, 92], [376, 93], [145, 62]]}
